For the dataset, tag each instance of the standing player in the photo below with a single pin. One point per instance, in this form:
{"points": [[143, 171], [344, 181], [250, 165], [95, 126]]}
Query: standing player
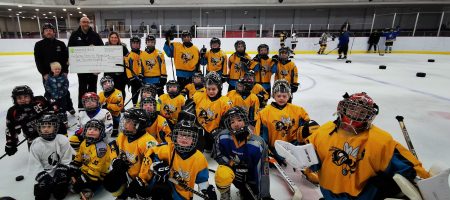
{"points": [[242, 158], [283, 36], [238, 64], [293, 42], [357, 160], [280, 120], [344, 39], [154, 65], [323, 42], [159, 127], [172, 102], [263, 67], [185, 55], [134, 67], [197, 85], [391, 36], [179, 160], [50, 156], [215, 59], [209, 108], [286, 69], [127, 152], [244, 98], [112, 100], [258, 89]]}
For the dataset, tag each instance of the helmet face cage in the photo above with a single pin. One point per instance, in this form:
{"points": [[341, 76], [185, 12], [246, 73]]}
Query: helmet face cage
{"points": [[151, 101], [45, 121], [235, 112], [246, 85], [185, 129], [149, 88], [140, 120], [263, 46], [214, 40], [100, 126], [213, 78], [237, 43], [170, 84], [357, 112], [150, 38], [281, 86], [107, 79], [126, 132], [90, 96]]}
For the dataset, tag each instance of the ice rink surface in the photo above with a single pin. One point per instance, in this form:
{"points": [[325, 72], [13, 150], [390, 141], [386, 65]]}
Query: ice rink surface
{"points": [[424, 102]]}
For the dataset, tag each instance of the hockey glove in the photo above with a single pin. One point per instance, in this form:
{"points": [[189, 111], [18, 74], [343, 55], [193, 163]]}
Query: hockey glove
{"points": [[44, 179], [210, 192], [161, 171], [10, 149], [80, 183], [241, 172], [275, 58], [61, 174], [257, 58], [245, 60], [294, 87], [136, 187], [119, 165], [162, 82]]}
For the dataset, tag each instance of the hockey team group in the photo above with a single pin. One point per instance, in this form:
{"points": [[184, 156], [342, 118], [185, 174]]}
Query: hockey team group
{"points": [[157, 149]]}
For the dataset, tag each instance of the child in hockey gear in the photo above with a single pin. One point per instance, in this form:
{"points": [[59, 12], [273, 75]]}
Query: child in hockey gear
{"points": [[242, 157], [185, 55], [258, 89], [286, 69], [293, 42], [281, 120], [215, 59], [92, 110], [374, 38], [344, 39], [134, 67], [263, 67], [209, 108], [391, 36], [23, 115], [242, 97], [149, 90], [154, 65], [111, 99], [49, 159], [92, 161], [283, 36], [323, 42], [172, 102], [357, 160], [127, 152], [179, 161], [197, 85], [159, 127], [238, 64], [56, 89]]}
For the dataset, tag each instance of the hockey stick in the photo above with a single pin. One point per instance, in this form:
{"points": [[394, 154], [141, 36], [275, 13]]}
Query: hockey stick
{"points": [[297, 194], [331, 50], [137, 77], [186, 187], [406, 135], [254, 197], [353, 42], [25, 139]]}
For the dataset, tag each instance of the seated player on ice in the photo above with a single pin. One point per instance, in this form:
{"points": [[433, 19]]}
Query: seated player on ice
{"points": [[243, 98], [149, 90], [159, 127], [197, 85], [242, 158], [172, 102]]}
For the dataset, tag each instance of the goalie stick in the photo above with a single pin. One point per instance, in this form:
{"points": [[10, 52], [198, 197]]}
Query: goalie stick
{"points": [[297, 194], [406, 135]]}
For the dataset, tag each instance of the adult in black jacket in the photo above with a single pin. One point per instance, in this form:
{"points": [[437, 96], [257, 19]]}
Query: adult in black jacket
{"points": [[374, 38], [50, 50], [85, 36]]}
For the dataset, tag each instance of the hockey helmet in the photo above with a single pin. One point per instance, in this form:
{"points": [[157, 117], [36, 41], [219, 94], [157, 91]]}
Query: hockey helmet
{"points": [[44, 128], [356, 112], [99, 125]]}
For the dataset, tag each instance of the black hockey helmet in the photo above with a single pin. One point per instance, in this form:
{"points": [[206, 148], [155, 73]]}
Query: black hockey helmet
{"points": [[21, 90], [213, 78], [140, 120], [242, 114], [245, 85], [94, 123], [109, 80], [135, 38], [215, 40], [150, 88], [237, 43], [186, 34], [186, 129], [151, 114], [172, 83], [150, 38], [46, 120], [263, 46], [284, 49], [48, 26], [198, 75], [251, 75]]}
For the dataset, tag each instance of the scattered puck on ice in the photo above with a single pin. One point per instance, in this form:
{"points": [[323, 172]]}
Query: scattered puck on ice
{"points": [[381, 54], [19, 178], [421, 74], [430, 60], [348, 61], [382, 67]]}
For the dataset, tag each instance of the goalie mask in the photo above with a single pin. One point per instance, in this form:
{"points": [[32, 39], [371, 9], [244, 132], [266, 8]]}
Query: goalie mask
{"points": [[356, 112], [48, 126], [99, 125], [236, 121], [185, 136]]}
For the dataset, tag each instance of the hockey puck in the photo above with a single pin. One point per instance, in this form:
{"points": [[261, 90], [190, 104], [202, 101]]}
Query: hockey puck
{"points": [[348, 61], [430, 60], [382, 67], [421, 74], [19, 178]]}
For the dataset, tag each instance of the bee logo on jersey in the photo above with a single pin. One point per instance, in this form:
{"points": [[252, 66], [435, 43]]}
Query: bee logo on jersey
{"points": [[207, 115], [150, 63], [347, 158], [216, 61], [129, 157], [53, 159], [86, 159], [265, 69], [284, 125], [284, 73], [186, 57], [169, 108], [184, 175], [237, 67]]}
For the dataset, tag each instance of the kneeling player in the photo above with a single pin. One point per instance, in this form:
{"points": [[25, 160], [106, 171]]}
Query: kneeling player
{"points": [[357, 160], [197, 85], [92, 160], [50, 156], [242, 158], [179, 161], [159, 127]]}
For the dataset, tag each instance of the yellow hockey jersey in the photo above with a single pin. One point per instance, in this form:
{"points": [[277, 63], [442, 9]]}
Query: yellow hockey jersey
{"points": [[153, 63], [186, 59], [190, 90], [250, 104], [114, 102], [236, 68], [192, 170], [133, 61], [160, 130], [287, 71], [259, 89], [210, 112], [132, 151], [94, 159], [171, 107], [264, 73], [349, 160], [216, 62], [280, 124]]}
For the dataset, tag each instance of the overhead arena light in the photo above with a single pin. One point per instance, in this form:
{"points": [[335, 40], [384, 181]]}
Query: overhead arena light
{"points": [[36, 9], [64, 9], [20, 6], [78, 8], [9, 9]]}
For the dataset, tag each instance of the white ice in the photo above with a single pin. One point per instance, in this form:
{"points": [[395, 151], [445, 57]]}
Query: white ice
{"points": [[424, 102]]}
